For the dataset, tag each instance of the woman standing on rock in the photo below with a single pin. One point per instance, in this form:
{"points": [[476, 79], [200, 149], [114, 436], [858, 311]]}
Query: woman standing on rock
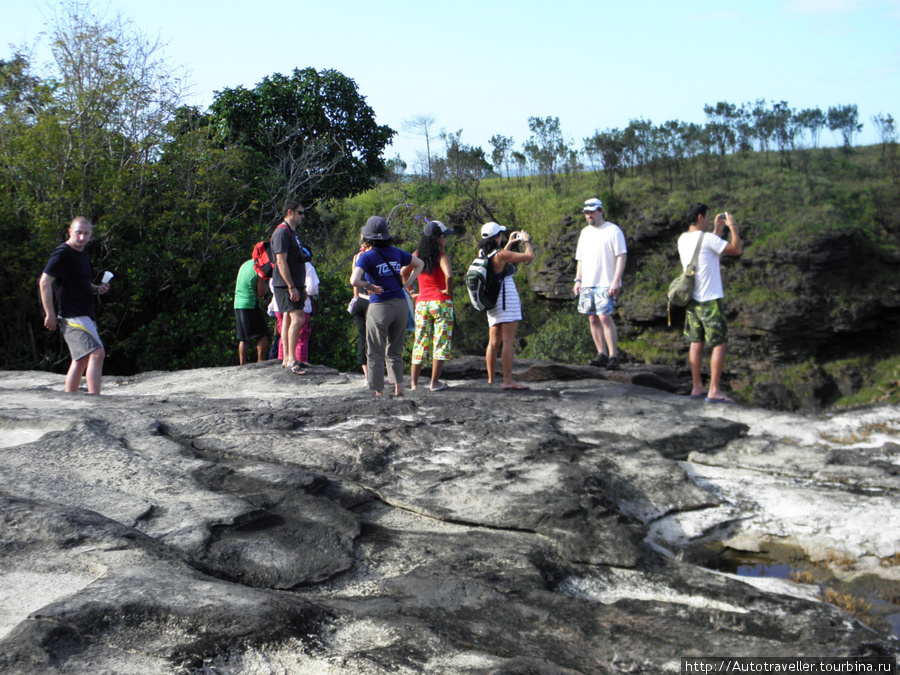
{"points": [[503, 319], [434, 306], [377, 271]]}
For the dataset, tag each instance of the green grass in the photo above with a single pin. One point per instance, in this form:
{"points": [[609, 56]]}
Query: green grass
{"points": [[882, 382]]}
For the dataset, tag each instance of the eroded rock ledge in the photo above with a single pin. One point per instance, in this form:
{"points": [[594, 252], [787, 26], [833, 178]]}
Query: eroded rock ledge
{"points": [[243, 520]]}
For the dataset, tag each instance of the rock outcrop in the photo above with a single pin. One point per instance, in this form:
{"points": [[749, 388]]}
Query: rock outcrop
{"points": [[244, 520]]}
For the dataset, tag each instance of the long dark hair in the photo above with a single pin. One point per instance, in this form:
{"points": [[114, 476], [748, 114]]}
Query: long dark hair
{"points": [[491, 244], [429, 251]]}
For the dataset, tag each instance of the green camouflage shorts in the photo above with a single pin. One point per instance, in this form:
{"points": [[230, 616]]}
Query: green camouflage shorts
{"points": [[705, 322]]}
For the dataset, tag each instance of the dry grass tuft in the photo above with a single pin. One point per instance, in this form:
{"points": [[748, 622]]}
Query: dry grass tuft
{"points": [[890, 561], [803, 577], [856, 606]]}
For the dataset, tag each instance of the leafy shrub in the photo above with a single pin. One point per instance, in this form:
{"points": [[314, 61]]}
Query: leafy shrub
{"points": [[565, 337], [332, 339]]}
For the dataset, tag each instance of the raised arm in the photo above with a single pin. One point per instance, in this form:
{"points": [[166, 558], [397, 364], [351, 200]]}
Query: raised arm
{"points": [[507, 256], [734, 239]]}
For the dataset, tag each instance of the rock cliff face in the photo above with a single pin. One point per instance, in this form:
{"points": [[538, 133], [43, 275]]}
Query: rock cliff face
{"points": [[824, 297], [246, 520]]}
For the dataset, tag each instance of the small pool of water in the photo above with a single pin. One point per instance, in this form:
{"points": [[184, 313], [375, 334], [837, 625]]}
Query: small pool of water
{"points": [[765, 570], [884, 614]]}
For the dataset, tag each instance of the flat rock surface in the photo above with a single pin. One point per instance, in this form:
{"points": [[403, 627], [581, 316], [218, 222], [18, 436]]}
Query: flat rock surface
{"points": [[248, 520]]}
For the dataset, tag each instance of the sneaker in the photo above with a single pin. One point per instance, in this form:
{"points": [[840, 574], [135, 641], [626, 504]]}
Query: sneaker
{"points": [[613, 363], [599, 361]]}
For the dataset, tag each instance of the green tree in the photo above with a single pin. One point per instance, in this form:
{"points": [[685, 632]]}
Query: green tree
{"points": [[547, 147], [605, 151], [720, 122], [785, 130], [636, 138], [844, 119], [887, 133], [314, 136], [813, 120], [500, 155], [395, 168], [521, 162]]}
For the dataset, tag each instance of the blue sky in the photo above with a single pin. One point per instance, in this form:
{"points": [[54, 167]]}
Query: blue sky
{"points": [[486, 66]]}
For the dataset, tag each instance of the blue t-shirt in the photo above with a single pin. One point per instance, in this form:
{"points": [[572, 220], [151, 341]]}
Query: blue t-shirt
{"points": [[377, 263], [72, 271]]}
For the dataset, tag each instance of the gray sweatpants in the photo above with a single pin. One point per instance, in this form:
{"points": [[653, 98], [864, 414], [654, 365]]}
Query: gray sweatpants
{"points": [[385, 338]]}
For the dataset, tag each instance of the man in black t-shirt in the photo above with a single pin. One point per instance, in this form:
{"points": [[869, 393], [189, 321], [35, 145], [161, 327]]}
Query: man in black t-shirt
{"points": [[70, 267], [289, 281]]}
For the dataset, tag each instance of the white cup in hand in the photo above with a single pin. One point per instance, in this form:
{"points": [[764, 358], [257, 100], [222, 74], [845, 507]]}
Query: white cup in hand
{"points": [[107, 276]]}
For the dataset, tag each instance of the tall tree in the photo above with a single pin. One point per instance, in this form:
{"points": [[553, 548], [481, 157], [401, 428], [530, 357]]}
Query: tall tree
{"points": [[636, 138], [500, 155], [521, 162], [314, 134], [844, 119], [785, 130], [887, 133], [720, 122], [813, 120], [546, 145], [763, 124], [422, 125], [605, 151]]}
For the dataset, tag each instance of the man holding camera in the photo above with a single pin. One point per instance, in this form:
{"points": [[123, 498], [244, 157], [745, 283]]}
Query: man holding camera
{"points": [[704, 320], [600, 256]]}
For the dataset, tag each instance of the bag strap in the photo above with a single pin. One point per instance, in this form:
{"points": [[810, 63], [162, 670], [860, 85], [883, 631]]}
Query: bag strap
{"points": [[693, 264], [396, 276]]}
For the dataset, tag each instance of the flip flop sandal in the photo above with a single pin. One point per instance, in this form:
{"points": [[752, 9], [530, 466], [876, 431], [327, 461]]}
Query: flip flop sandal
{"points": [[296, 370]]}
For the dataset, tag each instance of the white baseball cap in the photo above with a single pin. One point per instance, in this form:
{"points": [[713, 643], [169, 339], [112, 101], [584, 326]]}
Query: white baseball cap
{"points": [[593, 204], [491, 229]]}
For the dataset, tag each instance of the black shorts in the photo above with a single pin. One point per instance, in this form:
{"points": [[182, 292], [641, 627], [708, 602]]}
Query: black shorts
{"points": [[284, 303], [250, 324]]}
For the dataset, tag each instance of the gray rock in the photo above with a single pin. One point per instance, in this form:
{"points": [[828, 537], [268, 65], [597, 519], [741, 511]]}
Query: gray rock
{"points": [[249, 520]]}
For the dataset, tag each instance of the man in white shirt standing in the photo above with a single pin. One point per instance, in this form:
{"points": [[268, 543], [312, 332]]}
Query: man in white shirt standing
{"points": [[704, 320], [600, 256]]}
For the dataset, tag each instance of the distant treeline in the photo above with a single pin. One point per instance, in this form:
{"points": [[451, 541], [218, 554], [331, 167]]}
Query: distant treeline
{"points": [[730, 128]]}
